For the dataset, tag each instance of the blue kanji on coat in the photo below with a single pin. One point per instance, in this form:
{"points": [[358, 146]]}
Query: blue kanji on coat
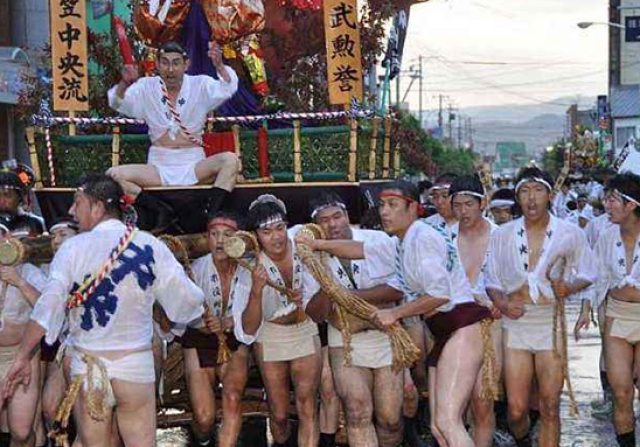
{"points": [[103, 303]]}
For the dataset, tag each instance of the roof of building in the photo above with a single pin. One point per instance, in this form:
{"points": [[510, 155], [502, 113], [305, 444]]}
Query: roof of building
{"points": [[625, 101]]}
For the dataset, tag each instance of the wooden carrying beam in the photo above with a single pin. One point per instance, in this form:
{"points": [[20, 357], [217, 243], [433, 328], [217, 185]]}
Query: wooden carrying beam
{"points": [[353, 150], [386, 156], [115, 146], [238, 149], [375, 124]]}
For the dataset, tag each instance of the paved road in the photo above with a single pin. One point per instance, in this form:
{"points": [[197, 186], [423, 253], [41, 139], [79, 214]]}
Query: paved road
{"points": [[579, 431]]}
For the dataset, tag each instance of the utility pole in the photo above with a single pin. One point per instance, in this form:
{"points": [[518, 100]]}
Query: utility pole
{"points": [[420, 89], [398, 90], [440, 112], [459, 132], [470, 134], [450, 124]]}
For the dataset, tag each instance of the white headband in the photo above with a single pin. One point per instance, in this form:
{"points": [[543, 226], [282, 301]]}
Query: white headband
{"points": [[269, 198], [323, 207], [276, 219], [626, 197], [501, 202], [4, 228], [62, 225], [441, 186], [533, 179], [468, 193]]}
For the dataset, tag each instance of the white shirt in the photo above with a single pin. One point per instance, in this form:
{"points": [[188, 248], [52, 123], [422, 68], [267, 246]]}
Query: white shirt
{"points": [[15, 307], [479, 288], [560, 203], [198, 96], [438, 221], [507, 258], [274, 303], [119, 314], [612, 263], [595, 227], [429, 264]]}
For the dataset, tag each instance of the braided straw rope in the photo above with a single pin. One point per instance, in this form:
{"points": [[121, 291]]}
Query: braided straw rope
{"points": [[89, 286], [95, 400], [405, 352], [47, 141], [490, 371], [562, 352]]}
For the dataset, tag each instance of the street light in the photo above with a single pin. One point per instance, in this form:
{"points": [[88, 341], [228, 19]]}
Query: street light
{"points": [[585, 25]]}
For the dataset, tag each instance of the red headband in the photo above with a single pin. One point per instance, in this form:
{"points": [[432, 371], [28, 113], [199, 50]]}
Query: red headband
{"points": [[224, 222], [397, 195]]}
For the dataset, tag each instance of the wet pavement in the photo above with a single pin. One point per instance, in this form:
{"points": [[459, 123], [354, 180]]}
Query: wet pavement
{"points": [[582, 430]]}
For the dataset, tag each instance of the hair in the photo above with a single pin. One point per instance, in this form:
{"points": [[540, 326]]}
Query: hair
{"points": [[447, 177], [11, 180], [172, 47], [572, 205], [533, 171], [583, 196], [467, 183], [407, 189], [263, 211], [325, 199], [228, 214], [628, 184], [104, 189], [598, 205], [424, 185], [504, 194]]}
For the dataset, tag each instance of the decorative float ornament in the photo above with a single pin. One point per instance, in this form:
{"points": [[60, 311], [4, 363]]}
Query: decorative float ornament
{"points": [[123, 41], [159, 21], [254, 62], [302, 4], [231, 20]]}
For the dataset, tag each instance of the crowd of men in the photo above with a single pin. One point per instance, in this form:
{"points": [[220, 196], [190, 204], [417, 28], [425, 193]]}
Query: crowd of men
{"points": [[481, 280]]}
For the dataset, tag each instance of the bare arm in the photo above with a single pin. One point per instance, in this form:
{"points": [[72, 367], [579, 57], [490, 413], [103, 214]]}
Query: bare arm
{"points": [[424, 305], [319, 307], [382, 294], [346, 249]]}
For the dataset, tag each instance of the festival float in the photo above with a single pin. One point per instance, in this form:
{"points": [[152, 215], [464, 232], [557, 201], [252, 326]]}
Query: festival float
{"points": [[311, 112]]}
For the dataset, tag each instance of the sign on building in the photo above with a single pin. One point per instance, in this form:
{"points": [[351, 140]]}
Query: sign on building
{"points": [[69, 55], [344, 65]]}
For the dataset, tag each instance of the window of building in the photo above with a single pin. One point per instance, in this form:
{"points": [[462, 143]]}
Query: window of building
{"points": [[624, 134]]}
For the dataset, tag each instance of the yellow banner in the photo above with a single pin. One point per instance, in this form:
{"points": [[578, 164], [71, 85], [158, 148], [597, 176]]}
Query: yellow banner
{"points": [[69, 55], [344, 65]]}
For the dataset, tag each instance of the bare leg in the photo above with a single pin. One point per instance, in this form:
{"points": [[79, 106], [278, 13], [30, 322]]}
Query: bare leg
{"points": [[456, 372], [433, 408], [355, 387], [220, 169], [305, 375], [201, 384], [275, 376], [234, 379], [54, 389], [387, 394], [136, 412], [619, 357], [134, 178], [21, 409], [550, 381], [329, 401], [92, 433], [419, 371], [410, 396]]}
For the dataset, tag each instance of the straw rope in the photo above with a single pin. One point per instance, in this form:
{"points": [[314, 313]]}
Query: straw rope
{"points": [[405, 352], [490, 372]]}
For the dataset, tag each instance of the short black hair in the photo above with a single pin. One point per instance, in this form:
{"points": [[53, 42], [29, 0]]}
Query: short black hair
{"points": [[262, 212], [407, 189], [424, 185], [467, 183], [104, 189], [447, 177], [504, 194], [228, 214], [628, 184], [325, 200], [172, 47], [533, 171]]}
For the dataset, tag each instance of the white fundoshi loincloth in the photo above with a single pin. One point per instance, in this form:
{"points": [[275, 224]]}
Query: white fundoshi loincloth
{"points": [[369, 349], [177, 167], [283, 343], [626, 320], [533, 331]]}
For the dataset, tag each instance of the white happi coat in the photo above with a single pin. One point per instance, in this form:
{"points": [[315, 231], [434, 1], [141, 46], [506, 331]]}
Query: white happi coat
{"points": [[198, 96], [206, 276], [508, 266], [612, 263], [479, 288], [426, 263], [438, 221], [371, 348], [119, 314], [274, 304], [14, 307]]}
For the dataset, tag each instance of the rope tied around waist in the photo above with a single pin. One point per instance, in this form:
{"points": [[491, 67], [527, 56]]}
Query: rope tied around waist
{"points": [[490, 372], [98, 396]]}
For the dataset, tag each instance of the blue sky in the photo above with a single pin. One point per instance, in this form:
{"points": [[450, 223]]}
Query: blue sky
{"points": [[492, 52]]}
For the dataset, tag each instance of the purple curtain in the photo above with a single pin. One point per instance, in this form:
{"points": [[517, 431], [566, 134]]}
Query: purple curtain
{"points": [[196, 37]]}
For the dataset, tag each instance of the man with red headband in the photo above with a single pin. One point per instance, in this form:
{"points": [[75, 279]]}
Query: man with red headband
{"points": [[434, 284], [534, 261], [102, 286], [175, 106], [219, 277]]}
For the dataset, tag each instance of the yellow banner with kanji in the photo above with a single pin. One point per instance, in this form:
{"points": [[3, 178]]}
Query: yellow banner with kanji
{"points": [[344, 65], [69, 55]]}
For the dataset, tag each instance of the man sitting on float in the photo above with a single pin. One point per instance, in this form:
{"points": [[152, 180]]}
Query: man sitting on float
{"points": [[175, 107]]}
